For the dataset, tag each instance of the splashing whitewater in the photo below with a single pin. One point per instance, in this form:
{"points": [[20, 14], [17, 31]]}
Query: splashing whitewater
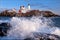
{"points": [[23, 27]]}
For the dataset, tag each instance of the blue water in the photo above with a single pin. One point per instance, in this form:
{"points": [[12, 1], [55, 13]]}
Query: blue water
{"points": [[56, 21]]}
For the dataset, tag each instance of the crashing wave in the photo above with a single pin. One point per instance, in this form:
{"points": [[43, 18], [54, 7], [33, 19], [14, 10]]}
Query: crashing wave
{"points": [[33, 28]]}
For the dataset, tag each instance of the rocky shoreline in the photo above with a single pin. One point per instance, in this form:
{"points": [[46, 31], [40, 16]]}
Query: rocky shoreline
{"points": [[4, 27], [28, 14]]}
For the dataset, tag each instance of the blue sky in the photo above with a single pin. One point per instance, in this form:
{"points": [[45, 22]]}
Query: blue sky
{"points": [[53, 5]]}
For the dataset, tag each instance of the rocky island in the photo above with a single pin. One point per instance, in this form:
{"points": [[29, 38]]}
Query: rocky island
{"points": [[28, 14]]}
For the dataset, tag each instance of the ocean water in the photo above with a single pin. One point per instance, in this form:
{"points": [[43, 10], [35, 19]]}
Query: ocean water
{"points": [[26, 26]]}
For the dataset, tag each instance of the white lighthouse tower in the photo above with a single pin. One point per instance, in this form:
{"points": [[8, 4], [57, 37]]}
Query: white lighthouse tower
{"points": [[29, 7]]}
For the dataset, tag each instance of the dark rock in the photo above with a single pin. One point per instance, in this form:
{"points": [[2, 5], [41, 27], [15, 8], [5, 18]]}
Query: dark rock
{"points": [[4, 27], [43, 36]]}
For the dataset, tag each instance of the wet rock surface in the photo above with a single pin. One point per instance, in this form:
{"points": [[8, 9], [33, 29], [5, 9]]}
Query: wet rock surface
{"points": [[4, 27]]}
